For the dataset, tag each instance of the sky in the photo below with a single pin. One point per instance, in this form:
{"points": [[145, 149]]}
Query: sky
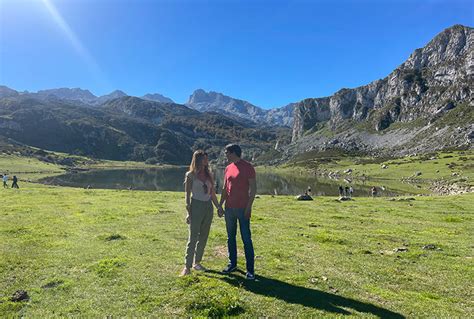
{"points": [[269, 53]]}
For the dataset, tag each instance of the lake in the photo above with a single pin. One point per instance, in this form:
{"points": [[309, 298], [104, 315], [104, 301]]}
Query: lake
{"points": [[171, 179]]}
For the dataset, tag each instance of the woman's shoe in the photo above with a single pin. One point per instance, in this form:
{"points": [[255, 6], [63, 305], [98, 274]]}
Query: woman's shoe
{"points": [[199, 267], [185, 272]]}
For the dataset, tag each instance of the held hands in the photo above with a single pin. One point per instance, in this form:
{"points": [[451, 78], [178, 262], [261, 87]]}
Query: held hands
{"points": [[220, 211]]}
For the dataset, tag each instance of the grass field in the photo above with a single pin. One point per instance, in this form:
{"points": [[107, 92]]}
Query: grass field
{"points": [[432, 166], [417, 172], [27, 167], [98, 253]]}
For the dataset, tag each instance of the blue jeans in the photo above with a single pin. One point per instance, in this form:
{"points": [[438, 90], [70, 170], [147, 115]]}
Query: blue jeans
{"points": [[231, 217]]}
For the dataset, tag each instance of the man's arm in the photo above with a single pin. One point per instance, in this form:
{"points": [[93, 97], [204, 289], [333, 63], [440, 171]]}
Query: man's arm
{"points": [[252, 192], [223, 193]]}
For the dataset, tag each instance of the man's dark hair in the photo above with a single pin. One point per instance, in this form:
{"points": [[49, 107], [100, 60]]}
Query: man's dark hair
{"points": [[234, 148]]}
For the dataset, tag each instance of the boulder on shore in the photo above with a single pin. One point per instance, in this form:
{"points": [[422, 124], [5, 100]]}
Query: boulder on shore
{"points": [[304, 197]]}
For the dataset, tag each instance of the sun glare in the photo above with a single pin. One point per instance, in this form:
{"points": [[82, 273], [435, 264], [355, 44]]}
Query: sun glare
{"points": [[73, 39]]}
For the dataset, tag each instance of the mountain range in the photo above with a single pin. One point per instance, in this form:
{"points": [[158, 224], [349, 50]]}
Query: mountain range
{"points": [[425, 104], [78, 95], [200, 100], [128, 128]]}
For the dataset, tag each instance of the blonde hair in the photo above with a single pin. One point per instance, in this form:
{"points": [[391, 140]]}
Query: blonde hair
{"points": [[196, 163]]}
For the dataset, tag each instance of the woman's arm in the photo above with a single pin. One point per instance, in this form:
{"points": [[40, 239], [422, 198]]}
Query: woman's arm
{"points": [[214, 198], [220, 211], [188, 185]]}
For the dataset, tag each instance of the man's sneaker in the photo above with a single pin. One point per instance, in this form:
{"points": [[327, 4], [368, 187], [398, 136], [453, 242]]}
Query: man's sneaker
{"points": [[199, 267], [230, 268], [250, 276]]}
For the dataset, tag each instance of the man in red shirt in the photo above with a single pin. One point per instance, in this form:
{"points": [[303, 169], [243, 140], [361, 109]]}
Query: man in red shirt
{"points": [[238, 194]]}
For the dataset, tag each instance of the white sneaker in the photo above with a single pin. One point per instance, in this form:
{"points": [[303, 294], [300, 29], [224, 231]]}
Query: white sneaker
{"points": [[199, 267], [185, 272]]}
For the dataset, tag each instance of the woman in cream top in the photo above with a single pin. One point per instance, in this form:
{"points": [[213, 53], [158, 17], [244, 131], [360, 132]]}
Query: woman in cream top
{"points": [[199, 195]]}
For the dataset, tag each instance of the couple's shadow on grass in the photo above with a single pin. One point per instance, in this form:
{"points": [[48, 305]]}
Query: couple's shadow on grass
{"points": [[307, 297]]}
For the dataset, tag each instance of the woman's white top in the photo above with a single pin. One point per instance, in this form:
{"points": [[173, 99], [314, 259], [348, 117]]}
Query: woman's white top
{"points": [[198, 190]]}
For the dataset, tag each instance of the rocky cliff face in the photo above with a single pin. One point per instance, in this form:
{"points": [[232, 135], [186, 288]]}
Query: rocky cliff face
{"points": [[433, 81], [281, 116], [217, 102]]}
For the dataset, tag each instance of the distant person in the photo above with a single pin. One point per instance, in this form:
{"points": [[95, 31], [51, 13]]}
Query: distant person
{"points": [[351, 191], [374, 191], [238, 193], [199, 195], [341, 191], [309, 191], [346, 191], [15, 182], [5, 180]]}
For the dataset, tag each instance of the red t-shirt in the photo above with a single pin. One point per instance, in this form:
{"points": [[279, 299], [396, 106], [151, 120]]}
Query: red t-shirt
{"points": [[236, 178]]}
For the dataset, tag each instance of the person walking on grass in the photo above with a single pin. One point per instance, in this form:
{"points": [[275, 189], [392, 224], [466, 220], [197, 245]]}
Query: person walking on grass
{"points": [[5, 180], [15, 182], [374, 191], [238, 193], [199, 195]]}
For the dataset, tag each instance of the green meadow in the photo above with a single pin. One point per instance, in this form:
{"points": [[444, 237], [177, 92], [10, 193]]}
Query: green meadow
{"points": [[27, 168], [411, 174], [118, 253]]}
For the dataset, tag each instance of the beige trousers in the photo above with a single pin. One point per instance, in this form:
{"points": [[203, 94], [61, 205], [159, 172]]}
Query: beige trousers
{"points": [[201, 219]]}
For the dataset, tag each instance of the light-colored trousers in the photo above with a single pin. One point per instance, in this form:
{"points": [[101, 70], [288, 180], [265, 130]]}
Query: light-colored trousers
{"points": [[201, 219]]}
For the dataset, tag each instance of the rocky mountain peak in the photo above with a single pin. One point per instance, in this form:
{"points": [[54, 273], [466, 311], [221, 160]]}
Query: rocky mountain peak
{"points": [[68, 94], [201, 96], [114, 94], [217, 102], [447, 46], [430, 84], [157, 98], [7, 92], [117, 93]]}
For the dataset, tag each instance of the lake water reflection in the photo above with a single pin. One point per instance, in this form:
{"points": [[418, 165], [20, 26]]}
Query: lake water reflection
{"points": [[171, 179]]}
